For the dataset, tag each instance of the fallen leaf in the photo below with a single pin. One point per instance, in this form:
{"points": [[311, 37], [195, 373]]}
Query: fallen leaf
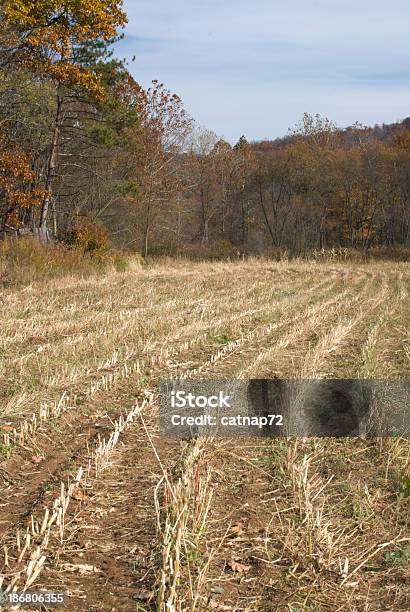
{"points": [[37, 458], [78, 494], [235, 566], [236, 530]]}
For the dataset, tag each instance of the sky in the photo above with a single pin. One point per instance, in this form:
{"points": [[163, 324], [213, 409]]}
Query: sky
{"points": [[253, 67]]}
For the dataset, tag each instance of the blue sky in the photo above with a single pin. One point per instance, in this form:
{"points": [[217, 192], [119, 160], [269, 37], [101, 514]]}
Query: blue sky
{"points": [[254, 67]]}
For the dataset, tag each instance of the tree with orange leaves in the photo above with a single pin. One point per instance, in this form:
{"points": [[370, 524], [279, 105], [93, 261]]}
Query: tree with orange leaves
{"points": [[16, 179], [42, 37], [154, 164]]}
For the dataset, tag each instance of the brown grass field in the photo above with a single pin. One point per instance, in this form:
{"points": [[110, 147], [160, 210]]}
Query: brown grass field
{"points": [[96, 504]]}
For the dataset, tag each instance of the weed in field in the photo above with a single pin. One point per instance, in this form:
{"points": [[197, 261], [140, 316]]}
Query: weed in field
{"points": [[360, 512], [399, 556], [145, 380], [220, 339], [275, 458], [5, 451], [307, 607], [46, 486], [283, 292], [404, 490]]}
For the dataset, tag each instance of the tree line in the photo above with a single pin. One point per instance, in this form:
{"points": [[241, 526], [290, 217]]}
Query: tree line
{"points": [[89, 156]]}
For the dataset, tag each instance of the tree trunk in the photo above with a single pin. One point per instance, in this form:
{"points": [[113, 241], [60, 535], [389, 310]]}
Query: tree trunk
{"points": [[265, 215], [51, 166], [146, 242]]}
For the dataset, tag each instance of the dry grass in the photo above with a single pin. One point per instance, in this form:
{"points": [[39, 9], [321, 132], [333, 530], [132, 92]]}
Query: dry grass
{"points": [[266, 525], [25, 261]]}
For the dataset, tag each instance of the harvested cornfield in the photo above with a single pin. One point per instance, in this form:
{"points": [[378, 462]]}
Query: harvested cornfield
{"points": [[95, 503]]}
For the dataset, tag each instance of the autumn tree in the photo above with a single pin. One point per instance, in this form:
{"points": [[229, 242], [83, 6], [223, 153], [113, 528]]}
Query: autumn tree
{"points": [[224, 163], [45, 35], [244, 165], [201, 182], [398, 221], [16, 184], [315, 130], [153, 169], [273, 190]]}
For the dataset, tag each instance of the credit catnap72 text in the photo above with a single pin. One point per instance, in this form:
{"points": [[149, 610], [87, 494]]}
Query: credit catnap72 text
{"points": [[237, 420]]}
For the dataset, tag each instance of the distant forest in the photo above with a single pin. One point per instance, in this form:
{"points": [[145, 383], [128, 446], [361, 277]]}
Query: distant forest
{"points": [[87, 156]]}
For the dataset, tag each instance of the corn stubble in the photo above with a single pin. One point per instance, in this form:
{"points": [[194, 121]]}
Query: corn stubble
{"points": [[270, 525]]}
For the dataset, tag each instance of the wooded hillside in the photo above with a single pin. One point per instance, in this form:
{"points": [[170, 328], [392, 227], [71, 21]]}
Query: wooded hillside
{"points": [[88, 156]]}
